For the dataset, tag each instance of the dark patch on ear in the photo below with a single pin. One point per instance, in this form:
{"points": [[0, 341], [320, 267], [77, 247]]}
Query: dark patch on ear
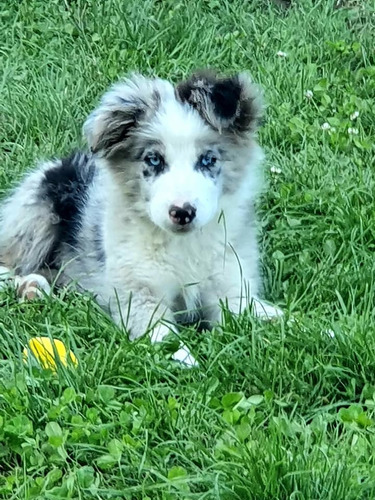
{"points": [[116, 128], [249, 114], [201, 80], [229, 104], [225, 96]]}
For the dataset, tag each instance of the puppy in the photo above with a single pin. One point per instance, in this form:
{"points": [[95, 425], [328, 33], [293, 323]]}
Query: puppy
{"points": [[157, 219]]}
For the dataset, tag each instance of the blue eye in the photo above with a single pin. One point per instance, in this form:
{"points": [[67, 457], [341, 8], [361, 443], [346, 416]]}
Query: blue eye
{"points": [[154, 160], [207, 160]]}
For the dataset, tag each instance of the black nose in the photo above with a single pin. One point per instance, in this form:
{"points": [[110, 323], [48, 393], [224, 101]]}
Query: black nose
{"points": [[182, 215]]}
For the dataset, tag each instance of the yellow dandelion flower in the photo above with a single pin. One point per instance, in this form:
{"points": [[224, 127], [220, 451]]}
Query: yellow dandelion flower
{"points": [[46, 350]]}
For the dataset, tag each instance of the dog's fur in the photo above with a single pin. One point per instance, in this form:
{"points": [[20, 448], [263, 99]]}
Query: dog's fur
{"points": [[157, 219]]}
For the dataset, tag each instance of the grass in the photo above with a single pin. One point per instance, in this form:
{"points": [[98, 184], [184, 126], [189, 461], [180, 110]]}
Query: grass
{"points": [[275, 411]]}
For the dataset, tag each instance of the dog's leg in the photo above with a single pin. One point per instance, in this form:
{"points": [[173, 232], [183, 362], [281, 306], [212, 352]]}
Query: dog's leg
{"points": [[229, 294], [142, 313]]}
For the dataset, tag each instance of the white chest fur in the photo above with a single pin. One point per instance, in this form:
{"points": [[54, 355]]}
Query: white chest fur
{"points": [[170, 265]]}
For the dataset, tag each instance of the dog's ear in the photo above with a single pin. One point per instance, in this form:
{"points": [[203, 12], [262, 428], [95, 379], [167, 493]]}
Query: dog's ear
{"points": [[110, 125], [231, 104]]}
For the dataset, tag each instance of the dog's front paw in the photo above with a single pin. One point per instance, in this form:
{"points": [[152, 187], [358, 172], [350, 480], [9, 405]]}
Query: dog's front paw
{"points": [[184, 356], [32, 286], [265, 311], [159, 332]]}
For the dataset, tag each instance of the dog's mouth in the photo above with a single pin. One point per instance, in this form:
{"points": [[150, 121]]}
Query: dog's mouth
{"points": [[177, 229], [180, 228]]}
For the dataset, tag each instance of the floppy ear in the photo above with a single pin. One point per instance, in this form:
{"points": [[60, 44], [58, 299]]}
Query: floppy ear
{"points": [[231, 104], [110, 125]]}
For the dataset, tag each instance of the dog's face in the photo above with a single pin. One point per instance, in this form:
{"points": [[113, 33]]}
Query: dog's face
{"points": [[175, 151]]}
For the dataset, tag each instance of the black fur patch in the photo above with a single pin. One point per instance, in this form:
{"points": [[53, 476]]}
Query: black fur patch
{"points": [[225, 103], [66, 187], [225, 96], [224, 93]]}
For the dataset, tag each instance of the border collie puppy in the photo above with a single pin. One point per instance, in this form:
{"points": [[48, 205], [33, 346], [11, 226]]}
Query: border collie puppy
{"points": [[157, 220]]}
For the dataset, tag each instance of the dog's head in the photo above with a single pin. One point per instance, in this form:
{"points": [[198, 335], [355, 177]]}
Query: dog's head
{"points": [[174, 151]]}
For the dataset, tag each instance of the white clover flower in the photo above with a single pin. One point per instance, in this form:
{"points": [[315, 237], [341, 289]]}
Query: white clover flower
{"points": [[309, 94], [329, 332], [325, 126], [352, 131], [276, 170], [354, 115], [281, 54]]}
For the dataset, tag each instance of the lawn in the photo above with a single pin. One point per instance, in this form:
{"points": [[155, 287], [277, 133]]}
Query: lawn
{"points": [[275, 411]]}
